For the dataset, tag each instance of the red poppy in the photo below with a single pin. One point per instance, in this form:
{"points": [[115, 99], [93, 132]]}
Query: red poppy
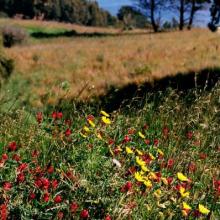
{"points": [[169, 180], [84, 214], [16, 157], [54, 115], [68, 132], [39, 117], [126, 139], [60, 215], [7, 186], [146, 126], [46, 197], [32, 196], [192, 167], [189, 134], [170, 163], [111, 141], [35, 153], [58, 199], [45, 183], [156, 142], [127, 187], [3, 212], [73, 207], [38, 183], [12, 146], [50, 169], [22, 167], [4, 157], [54, 184], [59, 115], [147, 141], [21, 178], [108, 217], [90, 118], [131, 131]]}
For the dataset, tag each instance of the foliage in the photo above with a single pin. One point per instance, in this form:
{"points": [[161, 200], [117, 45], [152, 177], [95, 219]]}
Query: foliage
{"points": [[12, 35]]}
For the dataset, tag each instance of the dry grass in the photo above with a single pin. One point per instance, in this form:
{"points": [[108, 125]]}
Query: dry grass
{"points": [[115, 60]]}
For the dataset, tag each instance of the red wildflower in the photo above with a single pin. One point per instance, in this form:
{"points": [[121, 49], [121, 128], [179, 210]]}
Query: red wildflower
{"points": [[90, 118], [22, 167], [32, 196], [170, 163], [4, 157], [111, 141], [189, 134], [131, 131], [192, 167], [58, 199], [117, 151], [68, 132], [39, 117], [126, 139], [21, 178], [7, 186], [127, 187], [54, 115], [3, 212], [169, 180], [59, 115], [60, 215], [16, 157], [202, 156], [73, 207], [147, 141], [50, 169], [146, 126], [54, 184], [35, 153], [156, 142], [45, 183], [12, 146], [108, 217], [165, 131], [46, 197], [38, 183], [84, 214]]}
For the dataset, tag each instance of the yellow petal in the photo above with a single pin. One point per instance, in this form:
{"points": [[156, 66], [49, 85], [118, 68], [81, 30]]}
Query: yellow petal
{"points": [[183, 193], [160, 152], [186, 206], [85, 128], [152, 176], [91, 123], [145, 169], [151, 156], [83, 135], [99, 136], [104, 113], [203, 209], [128, 150], [158, 193], [138, 177], [148, 183], [181, 177], [139, 161], [164, 180], [139, 152], [141, 135], [106, 120]]}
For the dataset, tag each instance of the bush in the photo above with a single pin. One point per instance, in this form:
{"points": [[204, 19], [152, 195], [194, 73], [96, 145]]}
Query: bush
{"points": [[6, 68], [13, 35]]}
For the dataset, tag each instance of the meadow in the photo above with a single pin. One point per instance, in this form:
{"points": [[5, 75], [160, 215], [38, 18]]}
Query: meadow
{"points": [[109, 124]]}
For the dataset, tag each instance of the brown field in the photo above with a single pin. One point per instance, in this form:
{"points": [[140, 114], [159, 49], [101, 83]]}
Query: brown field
{"points": [[92, 64]]}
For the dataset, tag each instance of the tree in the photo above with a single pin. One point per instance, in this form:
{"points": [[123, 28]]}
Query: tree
{"points": [[151, 9]]}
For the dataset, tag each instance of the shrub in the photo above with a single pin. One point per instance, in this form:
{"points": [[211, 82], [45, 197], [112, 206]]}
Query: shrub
{"points": [[13, 35], [6, 68]]}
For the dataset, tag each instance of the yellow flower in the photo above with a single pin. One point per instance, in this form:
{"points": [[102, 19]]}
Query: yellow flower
{"points": [[158, 193], [139, 152], [182, 178], [106, 120], [91, 123], [104, 113], [151, 156], [148, 183], [139, 161], [99, 136], [83, 135], [183, 192], [145, 169], [152, 176], [160, 152], [86, 129], [186, 206], [129, 151], [164, 180], [203, 210], [138, 177], [141, 135]]}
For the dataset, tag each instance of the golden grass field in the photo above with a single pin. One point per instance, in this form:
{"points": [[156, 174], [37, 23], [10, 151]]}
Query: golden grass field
{"points": [[95, 63]]}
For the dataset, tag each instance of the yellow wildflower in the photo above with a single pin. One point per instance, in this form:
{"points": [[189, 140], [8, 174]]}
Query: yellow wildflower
{"points": [[164, 180], [160, 152], [128, 150], [152, 176], [86, 129], [158, 193], [203, 210], [104, 113], [148, 183], [91, 123], [145, 169], [139, 152], [139, 161], [141, 135], [151, 156], [99, 136], [138, 177], [106, 120], [186, 206], [183, 192], [181, 177], [83, 135]]}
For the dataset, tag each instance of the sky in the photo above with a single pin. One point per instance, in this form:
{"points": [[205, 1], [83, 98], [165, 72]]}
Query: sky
{"points": [[113, 6]]}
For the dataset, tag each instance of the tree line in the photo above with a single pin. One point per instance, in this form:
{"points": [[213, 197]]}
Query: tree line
{"points": [[74, 11]]}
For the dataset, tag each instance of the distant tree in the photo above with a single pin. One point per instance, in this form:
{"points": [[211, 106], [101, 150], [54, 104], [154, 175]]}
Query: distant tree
{"points": [[130, 16], [151, 9]]}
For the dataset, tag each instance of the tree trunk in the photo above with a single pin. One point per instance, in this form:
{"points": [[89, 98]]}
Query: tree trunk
{"points": [[192, 13], [152, 11], [181, 10]]}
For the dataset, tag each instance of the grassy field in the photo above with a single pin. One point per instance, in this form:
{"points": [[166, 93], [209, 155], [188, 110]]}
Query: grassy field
{"points": [[154, 157]]}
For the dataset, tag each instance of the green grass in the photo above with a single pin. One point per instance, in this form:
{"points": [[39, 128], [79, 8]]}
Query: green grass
{"points": [[96, 183]]}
